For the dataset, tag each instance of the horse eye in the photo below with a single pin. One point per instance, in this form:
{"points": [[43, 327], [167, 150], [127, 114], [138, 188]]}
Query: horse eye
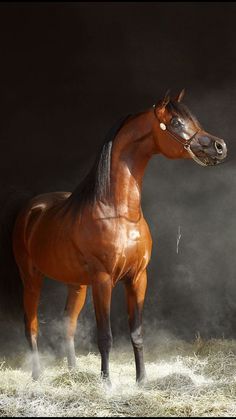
{"points": [[175, 123]]}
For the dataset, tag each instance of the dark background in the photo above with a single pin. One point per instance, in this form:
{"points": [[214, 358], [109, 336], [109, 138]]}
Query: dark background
{"points": [[68, 71]]}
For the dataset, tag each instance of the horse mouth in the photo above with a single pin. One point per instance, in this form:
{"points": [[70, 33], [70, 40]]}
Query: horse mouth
{"points": [[207, 160]]}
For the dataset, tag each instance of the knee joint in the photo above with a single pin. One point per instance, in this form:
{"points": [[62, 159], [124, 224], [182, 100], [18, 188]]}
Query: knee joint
{"points": [[104, 341], [137, 338]]}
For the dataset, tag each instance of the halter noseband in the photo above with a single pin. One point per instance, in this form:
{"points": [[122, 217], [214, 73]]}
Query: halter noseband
{"points": [[186, 143]]}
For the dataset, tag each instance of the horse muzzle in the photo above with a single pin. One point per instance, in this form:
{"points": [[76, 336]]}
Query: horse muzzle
{"points": [[208, 150]]}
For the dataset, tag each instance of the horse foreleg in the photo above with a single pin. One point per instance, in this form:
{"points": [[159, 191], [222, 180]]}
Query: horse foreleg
{"points": [[135, 294], [32, 288], [102, 288], [75, 302]]}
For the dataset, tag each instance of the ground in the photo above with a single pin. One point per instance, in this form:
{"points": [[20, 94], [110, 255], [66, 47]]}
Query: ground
{"points": [[184, 379]]}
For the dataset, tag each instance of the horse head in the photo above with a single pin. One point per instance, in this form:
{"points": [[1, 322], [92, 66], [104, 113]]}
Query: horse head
{"points": [[180, 135]]}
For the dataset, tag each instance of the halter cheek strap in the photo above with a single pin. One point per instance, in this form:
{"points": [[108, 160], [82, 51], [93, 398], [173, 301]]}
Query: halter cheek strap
{"points": [[186, 144], [194, 157]]}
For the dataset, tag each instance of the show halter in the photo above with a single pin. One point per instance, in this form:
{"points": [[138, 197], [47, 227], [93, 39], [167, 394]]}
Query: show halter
{"points": [[186, 143]]}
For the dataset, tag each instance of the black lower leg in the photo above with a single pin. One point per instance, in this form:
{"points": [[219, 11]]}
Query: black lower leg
{"points": [[102, 289], [135, 293], [104, 346], [137, 342]]}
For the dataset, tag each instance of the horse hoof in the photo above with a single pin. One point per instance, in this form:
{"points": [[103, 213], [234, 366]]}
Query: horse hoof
{"points": [[71, 362], [141, 381], [107, 384], [106, 381], [36, 375], [71, 368]]}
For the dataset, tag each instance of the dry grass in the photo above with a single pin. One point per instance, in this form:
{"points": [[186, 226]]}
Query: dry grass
{"points": [[196, 379]]}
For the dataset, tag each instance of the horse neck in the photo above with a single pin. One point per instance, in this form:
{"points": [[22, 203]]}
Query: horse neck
{"points": [[132, 149]]}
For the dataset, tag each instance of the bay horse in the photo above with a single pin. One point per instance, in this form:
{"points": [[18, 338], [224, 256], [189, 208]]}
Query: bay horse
{"points": [[97, 235]]}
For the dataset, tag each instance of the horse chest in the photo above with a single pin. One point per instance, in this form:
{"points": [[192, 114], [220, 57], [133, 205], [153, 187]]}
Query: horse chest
{"points": [[124, 249], [133, 255]]}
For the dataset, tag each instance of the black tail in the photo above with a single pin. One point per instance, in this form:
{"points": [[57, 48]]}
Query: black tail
{"points": [[11, 290]]}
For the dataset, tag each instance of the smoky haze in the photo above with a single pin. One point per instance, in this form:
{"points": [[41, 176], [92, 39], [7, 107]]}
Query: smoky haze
{"points": [[68, 72]]}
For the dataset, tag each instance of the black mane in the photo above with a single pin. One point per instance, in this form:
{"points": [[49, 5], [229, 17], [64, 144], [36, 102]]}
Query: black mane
{"points": [[96, 185]]}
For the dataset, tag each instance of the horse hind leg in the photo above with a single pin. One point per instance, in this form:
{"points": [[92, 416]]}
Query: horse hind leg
{"points": [[32, 288], [102, 290], [75, 302]]}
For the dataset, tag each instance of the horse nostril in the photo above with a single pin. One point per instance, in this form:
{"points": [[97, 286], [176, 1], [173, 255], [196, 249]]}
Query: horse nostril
{"points": [[218, 147]]}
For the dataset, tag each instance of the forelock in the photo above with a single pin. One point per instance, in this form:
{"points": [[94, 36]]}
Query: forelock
{"points": [[181, 110]]}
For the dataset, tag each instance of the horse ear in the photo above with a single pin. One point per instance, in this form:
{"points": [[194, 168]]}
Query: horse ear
{"points": [[180, 96], [165, 100]]}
